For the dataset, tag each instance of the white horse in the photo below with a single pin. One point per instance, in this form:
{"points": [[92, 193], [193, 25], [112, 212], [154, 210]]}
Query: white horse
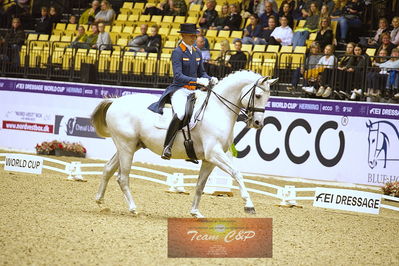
{"points": [[131, 126]]}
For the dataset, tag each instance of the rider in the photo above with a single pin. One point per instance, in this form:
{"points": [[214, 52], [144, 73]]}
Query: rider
{"points": [[188, 71]]}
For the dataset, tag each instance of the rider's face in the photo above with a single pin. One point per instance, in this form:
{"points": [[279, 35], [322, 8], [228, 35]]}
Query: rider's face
{"points": [[189, 38]]}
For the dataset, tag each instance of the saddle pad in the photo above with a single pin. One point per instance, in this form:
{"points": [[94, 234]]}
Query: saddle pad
{"points": [[162, 121]]}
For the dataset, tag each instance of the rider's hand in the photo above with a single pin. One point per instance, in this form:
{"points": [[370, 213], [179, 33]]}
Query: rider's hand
{"points": [[203, 81], [214, 80]]}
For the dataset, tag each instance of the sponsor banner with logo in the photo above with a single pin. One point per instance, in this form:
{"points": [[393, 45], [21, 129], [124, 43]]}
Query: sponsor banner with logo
{"points": [[23, 163], [354, 142], [347, 200], [220, 238]]}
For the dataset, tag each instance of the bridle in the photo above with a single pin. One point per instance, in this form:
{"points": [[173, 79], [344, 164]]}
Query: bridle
{"points": [[250, 110]]}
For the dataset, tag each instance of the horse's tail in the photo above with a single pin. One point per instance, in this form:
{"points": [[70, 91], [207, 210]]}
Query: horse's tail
{"points": [[98, 118]]}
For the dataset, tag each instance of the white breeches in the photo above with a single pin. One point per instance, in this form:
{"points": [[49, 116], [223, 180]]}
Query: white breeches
{"points": [[179, 100]]}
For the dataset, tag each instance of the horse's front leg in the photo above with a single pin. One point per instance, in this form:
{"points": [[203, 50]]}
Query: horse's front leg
{"points": [[220, 159], [205, 171]]}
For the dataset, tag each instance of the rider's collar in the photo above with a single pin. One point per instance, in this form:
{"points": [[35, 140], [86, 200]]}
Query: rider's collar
{"points": [[185, 46]]}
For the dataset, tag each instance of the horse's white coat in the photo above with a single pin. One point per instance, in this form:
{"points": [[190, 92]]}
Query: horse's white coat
{"points": [[131, 126]]}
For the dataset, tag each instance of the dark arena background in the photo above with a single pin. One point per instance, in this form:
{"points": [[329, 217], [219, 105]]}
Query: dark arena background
{"points": [[330, 126]]}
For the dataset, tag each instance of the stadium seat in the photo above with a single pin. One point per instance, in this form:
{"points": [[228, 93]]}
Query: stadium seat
{"points": [[55, 38], [371, 51], [193, 20], [43, 37], [236, 34], [297, 60], [156, 18], [259, 48], [150, 64], [134, 18], [67, 59], [300, 24], [128, 29], [35, 56], [103, 60], [60, 26], [91, 56], [300, 49], [170, 44], [211, 33], [224, 34], [57, 55], [122, 17], [273, 48], [128, 5], [145, 18], [174, 31], [114, 36], [122, 42], [180, 19], [115, 61], [173, 38], [32, 37], [247, 48], [163, 31], [66, 38], [139, 6], [79, 58], [268, 67], [195, 8], [165, 65], [168, 19], [117, 28], [285, 56]]}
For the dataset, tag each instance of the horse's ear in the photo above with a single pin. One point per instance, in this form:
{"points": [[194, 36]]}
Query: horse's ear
{"points": [[264, 79], [272, 81]]}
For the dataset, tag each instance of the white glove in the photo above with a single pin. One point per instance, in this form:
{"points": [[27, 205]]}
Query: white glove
{"points": [[203, 81], [214, 80]]}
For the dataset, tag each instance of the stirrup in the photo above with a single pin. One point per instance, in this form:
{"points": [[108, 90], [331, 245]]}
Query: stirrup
{"points": [[166, 153], [192, 161]]}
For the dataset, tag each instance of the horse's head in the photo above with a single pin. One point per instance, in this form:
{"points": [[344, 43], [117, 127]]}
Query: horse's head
{"points": [[373, 144], [254, 98]]}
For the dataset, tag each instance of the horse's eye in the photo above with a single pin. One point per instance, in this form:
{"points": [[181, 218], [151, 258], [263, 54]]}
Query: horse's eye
{"points": [[258, 96]]}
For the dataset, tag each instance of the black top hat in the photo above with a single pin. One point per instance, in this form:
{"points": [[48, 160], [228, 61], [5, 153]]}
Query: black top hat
{"points": [[188, 28]]}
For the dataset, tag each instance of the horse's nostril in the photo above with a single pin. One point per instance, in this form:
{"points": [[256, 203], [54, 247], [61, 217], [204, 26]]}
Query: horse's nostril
{"points": [[257, 122]]}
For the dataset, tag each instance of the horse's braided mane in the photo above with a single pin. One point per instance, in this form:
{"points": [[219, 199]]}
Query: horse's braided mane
{"points": [[241, 75]]}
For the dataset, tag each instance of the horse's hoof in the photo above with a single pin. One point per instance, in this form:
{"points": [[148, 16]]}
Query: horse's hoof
{"points": [[134, 212], [99, 201], [250, 210], [197, 215]]}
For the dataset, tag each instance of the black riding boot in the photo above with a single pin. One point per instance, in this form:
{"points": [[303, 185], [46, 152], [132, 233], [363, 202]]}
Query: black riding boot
{"points": [[174, 126]]}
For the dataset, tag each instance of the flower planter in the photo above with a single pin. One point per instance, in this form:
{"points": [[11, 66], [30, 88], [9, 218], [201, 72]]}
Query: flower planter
{"points": [[45, 152], [59, 152]]}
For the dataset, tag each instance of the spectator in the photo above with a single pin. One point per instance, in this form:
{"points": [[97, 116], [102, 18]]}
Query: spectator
{"points": [[287, 12], [329, 7], [91, 40], [209, 16], [12, 42], [21, 10], [386, 43], [200, 44], [297, 12], [390, 69], [267, 32], [253, 32], [351, 18], [72, 20], [306, 7], [324, 12], [312, 20], [103, 40], [153, 44], [233, 21], [327, 63], [80, 38], [201, 33], [376, 81], [342, 67], [309, 80], [220, 21], [44, 25], [219, 66], [54, 16], [141, 40], [281, 35], [274, 5], [239, 59], [291, 4], [395, 31], [255, 7], [374, 42], [168, 8], [89, 15], [325, 35], [264, 18], [106, 13]]}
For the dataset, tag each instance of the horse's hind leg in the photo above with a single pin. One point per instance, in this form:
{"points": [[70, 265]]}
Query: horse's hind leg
{"points": [[220, 159], [125, 161], [108, 171], [205, 171]]}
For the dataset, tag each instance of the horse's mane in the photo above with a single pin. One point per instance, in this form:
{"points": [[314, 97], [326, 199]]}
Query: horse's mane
{"points": [[240, 75]]}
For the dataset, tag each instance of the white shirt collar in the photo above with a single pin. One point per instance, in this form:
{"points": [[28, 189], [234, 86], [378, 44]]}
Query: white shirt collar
{"points": [[189, 47]]}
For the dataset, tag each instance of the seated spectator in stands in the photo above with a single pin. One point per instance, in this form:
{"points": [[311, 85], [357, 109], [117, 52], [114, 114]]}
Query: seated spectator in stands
{"points": [[209, 16], [281, 35], [220, 21], [238, 60], [326, 63], [352, 73], [80, 38], [154, 42], [89, 15], [233, 21], [264, 18], [103, 40], [311, 24], [325, 35], [139, 41], [44, 25], [254, 7], [386, 43], [297, 12], [267, 32], [291, 4], [274, 5], [12, 42], [309, 80], [168, 8], [54, 16], [201, 33], [200, 44], [21, 10], [73, 20], [106, 13], [375, 41], [376, 82], [324, 12], [287, 12], [328, 7], [350, 19], [395, 31], [219, 67], [253, 31], [91, 39], [342, 68], [391, 70]]}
